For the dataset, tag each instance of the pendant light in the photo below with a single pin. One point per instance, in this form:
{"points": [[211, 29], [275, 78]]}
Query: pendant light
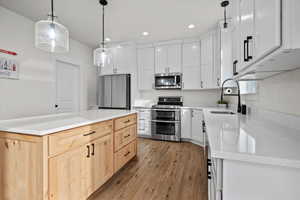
{"points": [[224, 4], [50, 35], [102, 55]]}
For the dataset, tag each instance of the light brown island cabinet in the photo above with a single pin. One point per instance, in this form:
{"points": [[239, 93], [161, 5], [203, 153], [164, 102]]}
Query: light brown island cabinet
{"points": [[67, 165]]}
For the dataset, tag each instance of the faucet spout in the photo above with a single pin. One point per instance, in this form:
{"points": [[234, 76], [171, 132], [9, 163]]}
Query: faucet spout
{"points": [[239, 109]]}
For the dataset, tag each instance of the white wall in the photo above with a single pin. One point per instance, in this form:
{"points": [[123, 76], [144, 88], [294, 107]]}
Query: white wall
{"points": [[280, 93], [34, 92]]}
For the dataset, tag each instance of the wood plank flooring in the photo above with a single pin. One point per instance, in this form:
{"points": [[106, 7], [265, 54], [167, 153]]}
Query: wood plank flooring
{"points": [[161, 171]]}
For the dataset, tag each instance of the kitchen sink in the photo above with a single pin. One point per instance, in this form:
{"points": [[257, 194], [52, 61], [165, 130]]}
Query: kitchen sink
{"points": [[222, 112]]}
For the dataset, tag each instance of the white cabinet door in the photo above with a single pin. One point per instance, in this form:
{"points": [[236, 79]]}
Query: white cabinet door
{"points": [[146, 64], [197, 118], [246, 30], [235, 35], [191, 67], [124, 58], [174, 58], [186, 123], [216, 79], [207, 62], [267, 26], [161, 59], [144, 122]]}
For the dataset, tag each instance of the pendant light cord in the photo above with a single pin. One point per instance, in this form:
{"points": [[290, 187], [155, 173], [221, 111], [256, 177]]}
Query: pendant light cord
{"points": [[225, 18], [52, 10], [103, 21]]}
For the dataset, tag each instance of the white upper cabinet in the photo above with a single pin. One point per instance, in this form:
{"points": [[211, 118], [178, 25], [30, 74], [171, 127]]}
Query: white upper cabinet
{"points": [[161, 59], [122, 61], [191, 68], [146, 64], [246, 30], [234, 13], [207, 64], [216, 80], [174, 58], [260, 30], [267, 35], [168, 58], [125, 59]]}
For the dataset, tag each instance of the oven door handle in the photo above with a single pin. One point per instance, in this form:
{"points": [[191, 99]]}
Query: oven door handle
{"points": [[169, 110], [162, 121]]}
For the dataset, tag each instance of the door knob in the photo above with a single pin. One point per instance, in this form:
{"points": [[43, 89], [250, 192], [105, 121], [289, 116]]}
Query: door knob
{"points": [[56, 106]]}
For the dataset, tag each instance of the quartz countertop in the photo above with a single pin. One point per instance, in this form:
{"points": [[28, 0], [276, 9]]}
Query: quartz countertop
{"points": [[257, 139], [47, 124]]}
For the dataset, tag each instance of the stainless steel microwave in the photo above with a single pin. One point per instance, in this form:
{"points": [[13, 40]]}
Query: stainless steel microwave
{"points": [[168, 81]]}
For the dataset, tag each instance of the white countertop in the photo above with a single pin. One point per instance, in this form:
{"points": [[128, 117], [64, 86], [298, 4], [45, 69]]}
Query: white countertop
{"points": [[47, 124], [254, 139]]}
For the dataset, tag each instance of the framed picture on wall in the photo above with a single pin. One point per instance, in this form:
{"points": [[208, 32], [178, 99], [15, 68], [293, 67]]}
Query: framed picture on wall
{"points": [[9, 66]]}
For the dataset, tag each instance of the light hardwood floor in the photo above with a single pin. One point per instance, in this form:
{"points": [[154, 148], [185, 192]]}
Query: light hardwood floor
{"points": [[162, 171]]}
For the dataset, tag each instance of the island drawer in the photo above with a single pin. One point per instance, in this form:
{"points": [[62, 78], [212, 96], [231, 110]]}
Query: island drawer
{"points": [[124, 136], [124, 155], [125, 121], [69, 139]]}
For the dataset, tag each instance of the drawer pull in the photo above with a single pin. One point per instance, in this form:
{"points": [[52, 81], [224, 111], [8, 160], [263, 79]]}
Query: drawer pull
{"points": [[91, 133], [127, 121], [93, 149], [126, 136], [125, 155], [88, 148]]}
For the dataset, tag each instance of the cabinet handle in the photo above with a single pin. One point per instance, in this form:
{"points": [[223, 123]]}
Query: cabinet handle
{"points": [[91, 133], [125, 155], [127, 121], [234, 67], [208, 171], [249, 57], [126, 136], [93, 149], [245, 51], [218, 82], [89, 151], [201, 84]]}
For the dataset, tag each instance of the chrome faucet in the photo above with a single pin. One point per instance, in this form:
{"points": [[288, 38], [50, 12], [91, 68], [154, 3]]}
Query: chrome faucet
{"points": [[239, 109]]}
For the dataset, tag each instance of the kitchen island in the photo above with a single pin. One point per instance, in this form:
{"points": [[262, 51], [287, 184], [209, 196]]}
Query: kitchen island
{"points": [[64, 156]]}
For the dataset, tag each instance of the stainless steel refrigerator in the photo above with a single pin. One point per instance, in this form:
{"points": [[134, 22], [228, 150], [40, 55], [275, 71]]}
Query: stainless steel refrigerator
{"points": [[114, 91]]}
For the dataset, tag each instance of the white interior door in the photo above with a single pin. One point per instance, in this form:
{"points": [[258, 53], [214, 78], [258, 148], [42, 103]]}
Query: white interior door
{"points": [[67, 87]]}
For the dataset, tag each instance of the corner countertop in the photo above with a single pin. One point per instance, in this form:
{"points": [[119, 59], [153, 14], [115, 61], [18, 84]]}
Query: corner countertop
{"points": [[47, 124], [256, 139]]}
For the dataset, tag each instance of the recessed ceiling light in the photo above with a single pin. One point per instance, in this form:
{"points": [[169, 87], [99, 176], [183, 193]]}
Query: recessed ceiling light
{"points": [[191, 26], [107, 39], [145, 33]]}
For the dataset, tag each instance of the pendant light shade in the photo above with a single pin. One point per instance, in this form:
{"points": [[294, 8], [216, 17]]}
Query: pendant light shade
{"points": [[102, 55], [50, 35]]}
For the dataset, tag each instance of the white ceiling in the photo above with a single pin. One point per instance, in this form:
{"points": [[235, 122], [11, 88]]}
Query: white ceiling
{"points": [[125, 19]]}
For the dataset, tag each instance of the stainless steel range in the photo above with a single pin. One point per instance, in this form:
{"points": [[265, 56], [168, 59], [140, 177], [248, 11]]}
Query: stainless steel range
{"points": [[166, 119]]}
